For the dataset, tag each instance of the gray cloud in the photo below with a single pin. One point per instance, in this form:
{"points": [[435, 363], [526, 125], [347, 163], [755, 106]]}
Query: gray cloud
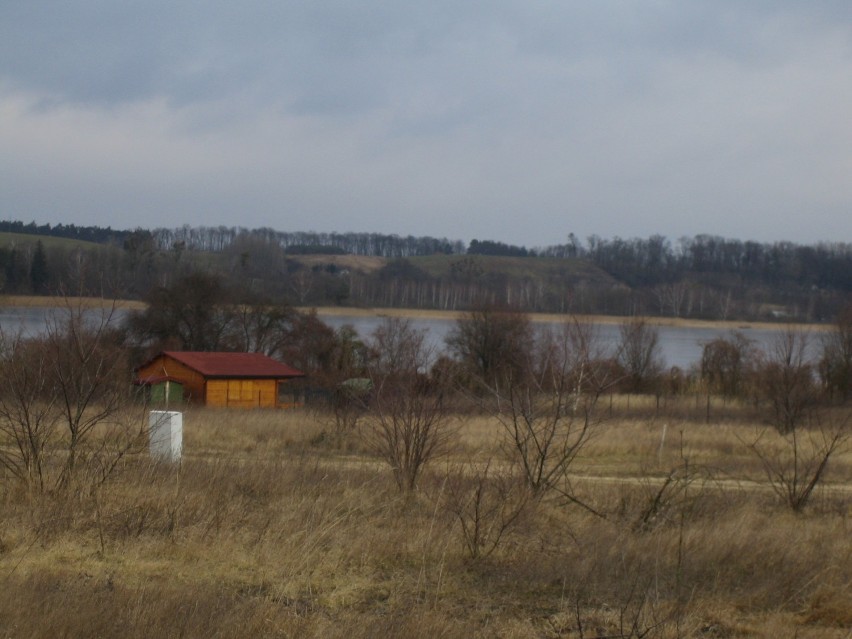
{"points": [[505, 120]]}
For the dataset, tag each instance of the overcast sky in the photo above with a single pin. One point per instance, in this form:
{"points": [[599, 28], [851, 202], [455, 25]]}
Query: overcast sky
{"points": [[513, 120]]}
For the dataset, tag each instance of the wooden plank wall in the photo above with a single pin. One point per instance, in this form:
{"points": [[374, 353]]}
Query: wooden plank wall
{"points": [[193, 382], [242, 393]]}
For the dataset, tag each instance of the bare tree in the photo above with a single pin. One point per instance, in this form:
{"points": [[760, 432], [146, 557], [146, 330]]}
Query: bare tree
{"points": [[786, 381], [548, 412], [28, 419], [492, 344], [639, 353], [836, 362], [89, 373], [726, 364], [68, 395], [193, 312], [407, 424], [805, 434], [259, 326]]}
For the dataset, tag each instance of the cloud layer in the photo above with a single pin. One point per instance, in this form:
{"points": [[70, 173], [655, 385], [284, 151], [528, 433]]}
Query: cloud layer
{"points": [[519, 122]]}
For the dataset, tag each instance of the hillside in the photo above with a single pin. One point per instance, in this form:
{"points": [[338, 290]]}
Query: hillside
{"points": [[701, 278], [570, 270], [360, 263], [8, 240]]}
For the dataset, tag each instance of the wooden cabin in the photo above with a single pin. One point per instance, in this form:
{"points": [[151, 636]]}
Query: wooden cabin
{"points": [[241, 380]]}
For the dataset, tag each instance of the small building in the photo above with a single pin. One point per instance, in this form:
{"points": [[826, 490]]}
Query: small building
{"points": [[242, 380], [161, 390]]}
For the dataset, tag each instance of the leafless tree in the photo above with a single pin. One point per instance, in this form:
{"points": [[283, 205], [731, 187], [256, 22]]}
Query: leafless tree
{"points": [[407, 424], [28, 419], [805, 433], [68, 394], [548, 412], [836, 362], [639, 353], [727, 363], [786, 381], [259, 326], [492, 344]]}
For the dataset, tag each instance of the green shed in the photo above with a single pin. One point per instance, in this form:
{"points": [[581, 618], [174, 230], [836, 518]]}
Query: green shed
{"points": [[163, 390]]}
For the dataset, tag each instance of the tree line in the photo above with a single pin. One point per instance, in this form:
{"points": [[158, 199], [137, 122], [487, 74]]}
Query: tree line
{"points": [[704, 277]]}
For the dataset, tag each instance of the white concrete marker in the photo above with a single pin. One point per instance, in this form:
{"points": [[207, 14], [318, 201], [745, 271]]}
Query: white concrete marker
{"points": [[165, 430]]}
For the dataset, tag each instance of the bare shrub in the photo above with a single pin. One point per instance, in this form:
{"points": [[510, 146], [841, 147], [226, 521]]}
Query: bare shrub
{"points": [[548, 411], [808, 433], [836, 361], [68, 393], [795, 462], [670, 499], [786, 381], [407, 424], [639, 354], [486, 503], [29, 420], [727, 364], [492, 345]]}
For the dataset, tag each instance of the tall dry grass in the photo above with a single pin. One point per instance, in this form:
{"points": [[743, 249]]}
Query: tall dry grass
{"points": [[274, 525]]}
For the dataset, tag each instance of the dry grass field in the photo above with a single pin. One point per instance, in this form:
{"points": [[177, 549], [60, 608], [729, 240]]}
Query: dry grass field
{"points": [[277, 525]]}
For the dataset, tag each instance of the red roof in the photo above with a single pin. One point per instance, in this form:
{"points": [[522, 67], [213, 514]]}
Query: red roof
{"points": [[254, 365]]}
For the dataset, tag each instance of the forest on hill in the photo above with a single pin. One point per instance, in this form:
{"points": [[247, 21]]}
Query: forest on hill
{"points": [[703, 277]]}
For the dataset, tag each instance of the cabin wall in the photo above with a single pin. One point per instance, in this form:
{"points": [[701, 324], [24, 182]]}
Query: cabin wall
{"points": [[193, 382], [242, 393]]}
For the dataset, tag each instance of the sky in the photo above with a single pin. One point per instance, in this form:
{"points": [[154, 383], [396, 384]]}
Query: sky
{"points": [[518, 121]]}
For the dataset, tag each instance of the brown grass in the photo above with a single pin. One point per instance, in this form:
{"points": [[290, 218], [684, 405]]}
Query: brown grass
{"points": [[42, 301], [557, 317], [273, 527]]}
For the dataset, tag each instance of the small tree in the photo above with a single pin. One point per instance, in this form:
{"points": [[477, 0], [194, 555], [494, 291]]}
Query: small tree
{"points": [[836, 362], [786, 381], [28, 416], [726, 364], [67, 395], [806, 434], [193, 313], [90, 376], [492, 344], [639, 354], [39, 274], [547, 411], [407, 424]]}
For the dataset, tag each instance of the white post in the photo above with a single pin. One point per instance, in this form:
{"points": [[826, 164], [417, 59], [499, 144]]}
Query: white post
{"points": [[165, 431]]}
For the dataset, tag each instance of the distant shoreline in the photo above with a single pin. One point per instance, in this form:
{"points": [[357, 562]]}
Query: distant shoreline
{"points": [[678, 322], [34, 301], [44, 301]]}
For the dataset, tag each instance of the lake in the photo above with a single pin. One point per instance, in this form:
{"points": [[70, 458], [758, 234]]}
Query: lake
{"points": [[32, 320], [680, 346]]}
